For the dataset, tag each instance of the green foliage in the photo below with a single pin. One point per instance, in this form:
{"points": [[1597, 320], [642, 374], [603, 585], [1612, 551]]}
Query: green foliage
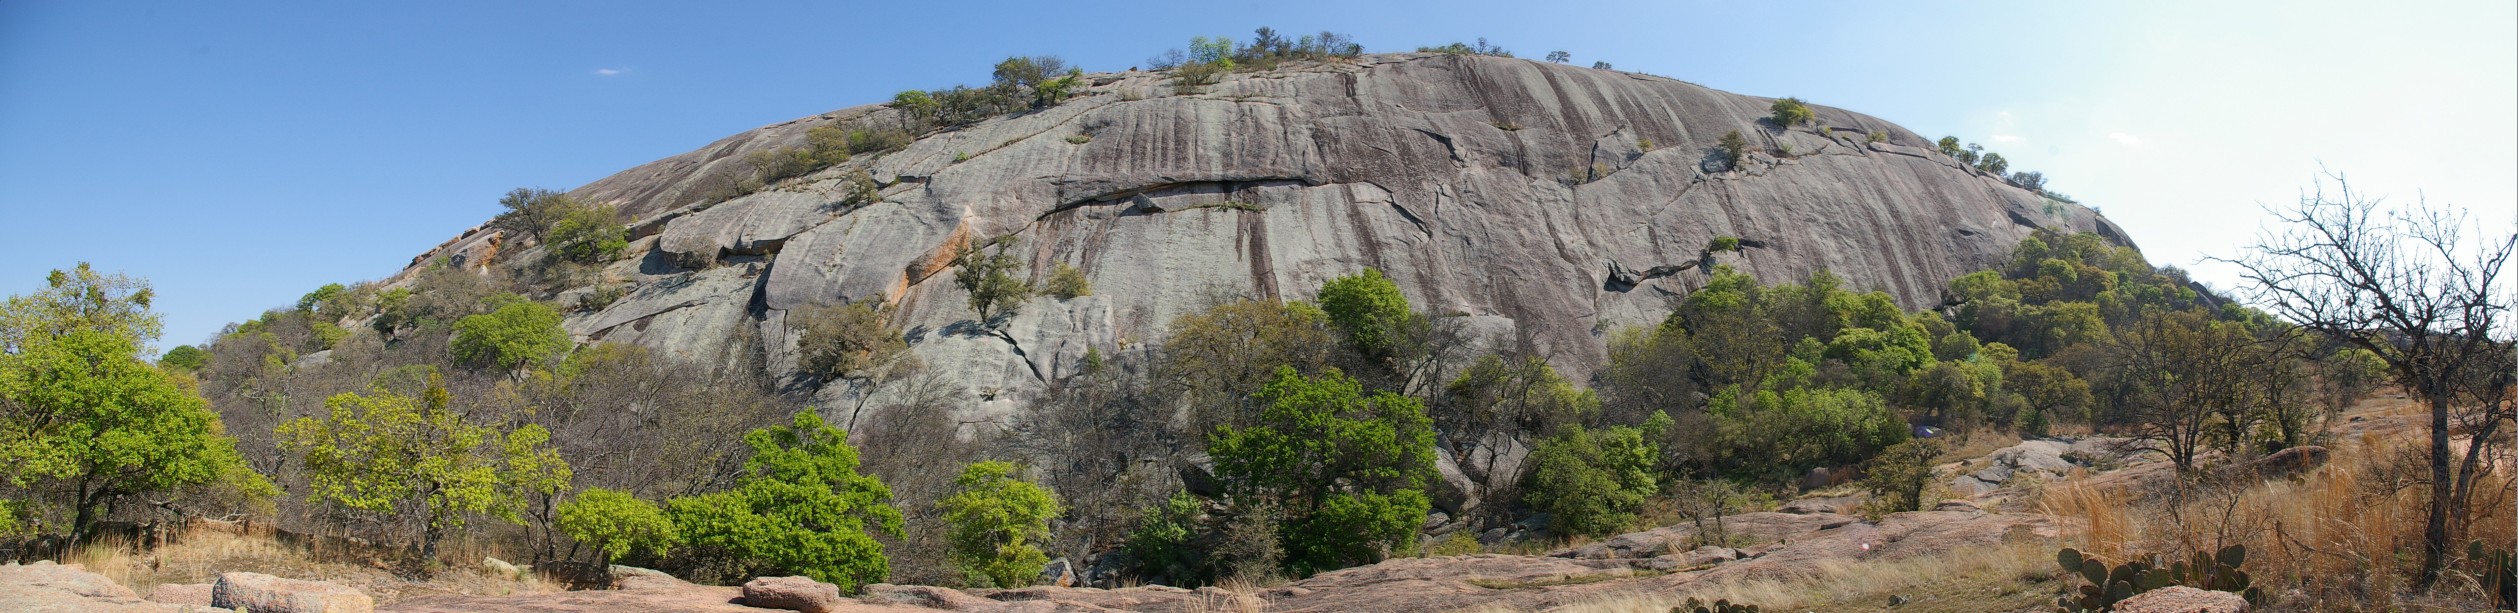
{"points": [[518, 335], [1593, 483], [390, 454], [1782, 434], [994, 522], [1345, 469], [617, 525], [2106, 585], [1876, 136], [588, 235], [1733, 146], [1460, 48], [1067, 282], [84, 419], [1992, 163], [847, 340], [1900, 478], [1789, 112], [1723, 243], [992, 280], [533, 211], [801, 508], [315, 301], [184, 358], [1369, 308], [863, 141], [1949, 146], [1163, 542]]}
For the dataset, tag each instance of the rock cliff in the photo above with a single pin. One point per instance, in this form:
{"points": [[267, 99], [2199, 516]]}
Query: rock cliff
{"points": [[1543, 203]]}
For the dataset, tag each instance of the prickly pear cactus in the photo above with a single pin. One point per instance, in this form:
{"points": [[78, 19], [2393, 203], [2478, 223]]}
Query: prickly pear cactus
{"points": [[2109, 585]]}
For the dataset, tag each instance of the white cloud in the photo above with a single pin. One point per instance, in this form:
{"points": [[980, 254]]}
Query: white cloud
{"points": [[2007, 138], [2125, 139], [610, 72]]}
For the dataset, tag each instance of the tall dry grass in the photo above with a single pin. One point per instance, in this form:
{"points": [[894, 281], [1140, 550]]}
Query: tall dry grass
{"points": [[199, 555], [2006, 577]]}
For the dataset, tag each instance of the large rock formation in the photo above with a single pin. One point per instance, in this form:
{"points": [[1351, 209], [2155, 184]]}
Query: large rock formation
{"points": [[1543, 203]]}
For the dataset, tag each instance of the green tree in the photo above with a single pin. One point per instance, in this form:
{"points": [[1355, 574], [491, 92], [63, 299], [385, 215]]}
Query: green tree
{"points": [[390, 454], [617, 524], [801, 508], [1733, 146], [1949, 146], [1789, 112], [184, 358], [317, 301], [1346, 470], [520, 334], [533, 210], [1782, 434], [1723, 243], [1369, 308], [84, 418], [1164, 541], [1901, 476], [1592, 483], [992, 280], [587, 234], [994, 522]]}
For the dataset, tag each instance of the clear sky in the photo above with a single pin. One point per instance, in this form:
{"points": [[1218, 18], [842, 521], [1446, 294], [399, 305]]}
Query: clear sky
{"points": [[239, 154]]}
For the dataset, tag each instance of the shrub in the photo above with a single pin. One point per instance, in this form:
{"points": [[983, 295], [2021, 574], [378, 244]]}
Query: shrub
{"points": [[1345, 470], [1601, 66], [617, 524], [395, 455], [862, 190], [916, 106], [1068, 283], [1560, 57], [1949, 146], [1368, 307], [847, 339], [991, 282], [1163, 542], [519, 334], [1592, 483], [2029, 180], [1876, 136], [531, 211], [1993, 164], [800, 508], [588, 235], [600, 296], [1644, 143], [1722, 244], [1901, 476], [1457, 48], [1733, 146], [993, 522], [1789, 112], [886, 140]]}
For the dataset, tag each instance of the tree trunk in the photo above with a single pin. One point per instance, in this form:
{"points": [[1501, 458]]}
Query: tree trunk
{"points": [[2435, 529]]}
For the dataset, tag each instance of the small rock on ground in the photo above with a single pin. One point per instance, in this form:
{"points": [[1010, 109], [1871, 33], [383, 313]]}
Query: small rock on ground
{"points": [[791, 593], [262, 593], [2182, 599]]}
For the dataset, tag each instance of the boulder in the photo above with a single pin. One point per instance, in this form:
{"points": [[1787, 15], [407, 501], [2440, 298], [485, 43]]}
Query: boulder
{"points": [[1058, 573], [182, 593], [635, 578], [2182, 599], [791, 593], [262, 593], [45, 587]]}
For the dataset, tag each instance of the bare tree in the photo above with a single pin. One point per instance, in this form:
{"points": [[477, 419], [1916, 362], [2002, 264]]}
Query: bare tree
{"points": [[2421, 289], [2184, 370]]}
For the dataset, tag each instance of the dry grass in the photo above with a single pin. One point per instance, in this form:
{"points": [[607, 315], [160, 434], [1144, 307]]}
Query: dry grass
{"points": [[2002, 578], [1233, 595], [198, 556]]}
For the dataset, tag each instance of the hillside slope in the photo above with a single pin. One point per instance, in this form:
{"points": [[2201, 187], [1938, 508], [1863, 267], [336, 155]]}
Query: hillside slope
{"points": [[1545, 203]]}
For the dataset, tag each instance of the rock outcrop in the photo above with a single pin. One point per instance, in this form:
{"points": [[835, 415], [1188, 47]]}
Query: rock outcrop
{"points": [[2182, 599], [45, 587], [791, 593], [267, 594], [1532, 200]]}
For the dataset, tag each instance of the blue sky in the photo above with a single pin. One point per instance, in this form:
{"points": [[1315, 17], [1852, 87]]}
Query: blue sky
{"points": [[239, 154]]}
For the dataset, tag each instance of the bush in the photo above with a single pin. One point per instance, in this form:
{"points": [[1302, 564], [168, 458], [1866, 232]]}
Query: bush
{"points": [[2028, 180], [1901, 476], [1368, 307], [1993, 164], [1722, 244], [862, 141], [617, 525], [520, 334], [1068, 283], [1876, 136], [532, 211], [1733, 147], [1347, 471], [993, 522], [846, 340], [588, 235], [1789, 112], [1163, 543], [1457, 48], [398, 456], [1949, 146], [1602, 66], [991, 282], [1592, 483], [800, 508]]}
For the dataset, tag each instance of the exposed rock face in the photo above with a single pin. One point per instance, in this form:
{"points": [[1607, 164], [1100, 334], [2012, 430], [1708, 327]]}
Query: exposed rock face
{"points": [[45, 587], [1536, 200], [267, 594]]}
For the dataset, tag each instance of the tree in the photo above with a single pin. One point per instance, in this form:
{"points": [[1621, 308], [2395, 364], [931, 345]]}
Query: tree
{"points": [[1901, 475], [1789, 112], [1345, 470], [617, 524], [1497, 407], [801, 508], [2183, 369], [390, 454], [1369, 307], [587, 234], [519, 334], [2029, 180], [1993, 164], [1949, 146], [532, 210], [82, 416], [184, 358], [1592, 483], [1601, 66], [1733, 146], [994, 522], [2423, 292], [1163, 541], [1560, 57], [991, 281]]}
